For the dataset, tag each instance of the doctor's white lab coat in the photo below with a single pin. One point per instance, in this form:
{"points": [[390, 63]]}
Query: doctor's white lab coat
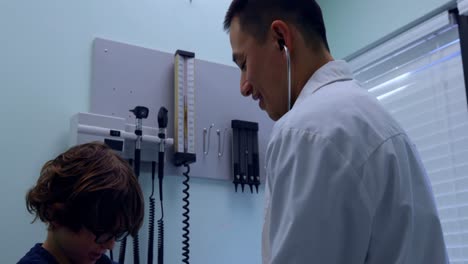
{"points": [[345, 185]]}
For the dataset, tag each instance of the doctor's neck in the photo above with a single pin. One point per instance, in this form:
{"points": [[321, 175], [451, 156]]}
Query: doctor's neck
{"points": [[305, 62]]}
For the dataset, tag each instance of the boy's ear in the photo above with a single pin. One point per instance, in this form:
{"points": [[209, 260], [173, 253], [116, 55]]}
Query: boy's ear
{"points": [[54, 214], [52, 226]]}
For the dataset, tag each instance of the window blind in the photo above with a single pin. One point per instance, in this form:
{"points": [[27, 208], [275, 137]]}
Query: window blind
{"points": [[420, 81]]}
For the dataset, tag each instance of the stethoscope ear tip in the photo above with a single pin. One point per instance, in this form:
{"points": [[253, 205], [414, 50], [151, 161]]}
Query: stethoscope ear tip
{"points": [[281, 43]]}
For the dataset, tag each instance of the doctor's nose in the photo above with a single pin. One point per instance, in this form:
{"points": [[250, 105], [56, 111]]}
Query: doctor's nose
{"points": [[246, 87]]}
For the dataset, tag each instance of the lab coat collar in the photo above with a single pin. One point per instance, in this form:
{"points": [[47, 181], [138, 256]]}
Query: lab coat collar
{"points": [[333, 71]]}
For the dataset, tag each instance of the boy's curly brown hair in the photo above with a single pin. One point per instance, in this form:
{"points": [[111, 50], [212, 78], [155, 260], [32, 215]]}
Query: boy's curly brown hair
{"points": [[88, 186]]}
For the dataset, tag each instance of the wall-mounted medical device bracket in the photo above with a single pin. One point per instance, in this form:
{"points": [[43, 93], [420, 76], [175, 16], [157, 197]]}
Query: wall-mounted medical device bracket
{"points": [[245, 158], [116, 133]]}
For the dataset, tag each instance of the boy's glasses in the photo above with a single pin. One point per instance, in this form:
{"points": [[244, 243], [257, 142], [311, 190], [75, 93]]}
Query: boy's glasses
{"points": [[104, 237]]}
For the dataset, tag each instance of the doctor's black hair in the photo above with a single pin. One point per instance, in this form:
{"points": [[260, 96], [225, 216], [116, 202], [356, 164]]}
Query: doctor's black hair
{"points": [[256, 16]]}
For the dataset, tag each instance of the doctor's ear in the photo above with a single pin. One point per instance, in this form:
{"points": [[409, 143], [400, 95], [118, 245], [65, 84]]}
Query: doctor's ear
{"points": [[282, 33]]}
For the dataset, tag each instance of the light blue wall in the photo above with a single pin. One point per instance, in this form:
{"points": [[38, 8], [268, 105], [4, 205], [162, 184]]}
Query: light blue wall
{"points": [[353, 25], [45, 66]]}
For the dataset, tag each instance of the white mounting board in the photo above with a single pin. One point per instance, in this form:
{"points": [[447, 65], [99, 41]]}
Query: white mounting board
{"points": [[124, 76]]}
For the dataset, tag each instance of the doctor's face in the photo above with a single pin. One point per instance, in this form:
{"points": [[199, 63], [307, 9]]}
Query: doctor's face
{"points": [[263, 70]]}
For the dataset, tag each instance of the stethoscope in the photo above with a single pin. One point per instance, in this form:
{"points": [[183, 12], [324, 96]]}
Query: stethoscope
{"points": [[282, 45]]}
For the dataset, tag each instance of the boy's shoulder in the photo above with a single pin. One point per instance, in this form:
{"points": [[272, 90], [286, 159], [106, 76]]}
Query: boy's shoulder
{"points": [[38, 255]]}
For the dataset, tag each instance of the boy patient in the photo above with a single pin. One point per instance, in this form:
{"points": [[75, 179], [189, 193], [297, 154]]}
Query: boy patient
{"points": [[89, 198]]}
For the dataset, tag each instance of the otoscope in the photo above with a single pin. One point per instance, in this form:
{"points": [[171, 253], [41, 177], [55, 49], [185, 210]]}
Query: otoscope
{"points": [[162, 122], [140, 113]]}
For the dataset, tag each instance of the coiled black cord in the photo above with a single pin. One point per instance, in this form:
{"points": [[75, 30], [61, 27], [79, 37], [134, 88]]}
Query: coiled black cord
{"points": [[151, 230], [161, 220], [136, 240], [151, 216], [186, 217], [136, 249], [123, 247], [161, 237], [123, 244]]}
